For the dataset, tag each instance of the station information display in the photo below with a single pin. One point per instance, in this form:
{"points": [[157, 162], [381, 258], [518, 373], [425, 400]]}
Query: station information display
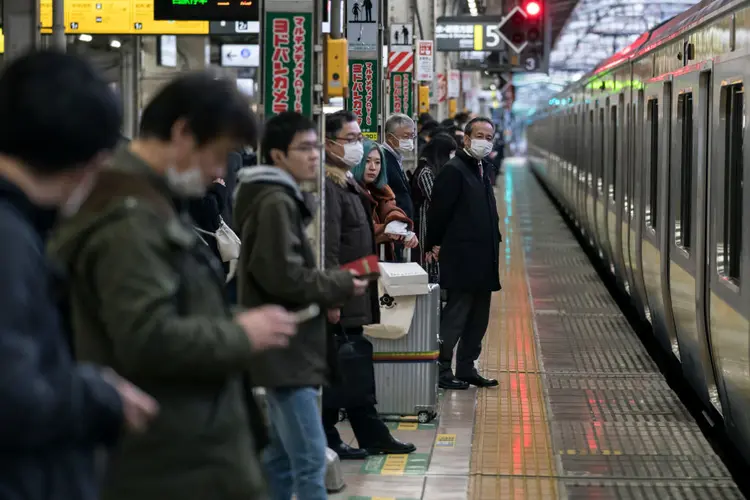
{"points": [[207, 10], [116, 17]]}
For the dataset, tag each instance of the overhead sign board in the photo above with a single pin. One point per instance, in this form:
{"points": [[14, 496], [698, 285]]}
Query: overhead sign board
{"points": [[401, 38], [206, 10], [425, 61], [233, 27], [362, 25], [240, 55], [116, 17], [468, 33]]}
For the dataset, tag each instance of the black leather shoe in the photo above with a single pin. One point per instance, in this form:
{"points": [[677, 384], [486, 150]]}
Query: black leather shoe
{"points": [[392, 447], [452, 384], [346, 452], [479, 381]]}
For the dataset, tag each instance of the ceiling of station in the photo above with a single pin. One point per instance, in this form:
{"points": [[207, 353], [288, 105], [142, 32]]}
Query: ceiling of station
{"points": [[593, 31]]}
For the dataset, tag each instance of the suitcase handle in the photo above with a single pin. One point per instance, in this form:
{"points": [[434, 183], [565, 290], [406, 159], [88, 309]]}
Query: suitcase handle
{"points": [[407, 251]]}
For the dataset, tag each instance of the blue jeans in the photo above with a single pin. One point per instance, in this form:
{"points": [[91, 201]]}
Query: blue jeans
{"points": [[295, 460]]}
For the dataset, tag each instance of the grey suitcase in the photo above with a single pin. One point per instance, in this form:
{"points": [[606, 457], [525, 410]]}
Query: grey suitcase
{"points": [[406, 369]]}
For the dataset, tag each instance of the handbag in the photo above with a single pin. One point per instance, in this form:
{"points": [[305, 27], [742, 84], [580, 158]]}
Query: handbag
{"points": [[355, 384], [226, 240]]}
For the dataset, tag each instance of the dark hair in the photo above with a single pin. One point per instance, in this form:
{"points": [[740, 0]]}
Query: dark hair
{"points": [[213, 108], [448, 122], [429, 126], [479, 119], [461, 117], [56, 112], [425, 118], [437, 152], [280, 132], [336, 121]]}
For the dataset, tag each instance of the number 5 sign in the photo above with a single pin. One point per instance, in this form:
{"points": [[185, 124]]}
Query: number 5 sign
{"points": [[425, 61]]}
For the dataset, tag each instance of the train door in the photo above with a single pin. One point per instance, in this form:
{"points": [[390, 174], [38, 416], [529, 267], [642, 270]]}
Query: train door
{"points": [[616, 185], [600, 179], [729, 241], [591, 174], [655, 250], [583, 159], [641, 155], [690, 137], [628, 162]]}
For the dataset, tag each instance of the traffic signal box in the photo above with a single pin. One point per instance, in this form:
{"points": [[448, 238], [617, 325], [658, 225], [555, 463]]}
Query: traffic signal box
{"points": [[525, 27]]}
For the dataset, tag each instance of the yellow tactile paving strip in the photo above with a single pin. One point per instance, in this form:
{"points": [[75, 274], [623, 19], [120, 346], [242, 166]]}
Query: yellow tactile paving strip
{"points": [[512, 455]]}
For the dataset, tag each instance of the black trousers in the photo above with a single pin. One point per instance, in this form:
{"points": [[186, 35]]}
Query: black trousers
{"points": [[464, 322], [367, 426]]}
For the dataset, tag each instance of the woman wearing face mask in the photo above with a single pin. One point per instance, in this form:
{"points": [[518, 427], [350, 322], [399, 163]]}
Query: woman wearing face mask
{"points": [[370, 174], [441, 148]]}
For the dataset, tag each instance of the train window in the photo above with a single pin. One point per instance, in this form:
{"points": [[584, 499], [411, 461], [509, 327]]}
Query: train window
{"points": [[653, 128], [683, 222], [613, 142], [730, 246]]}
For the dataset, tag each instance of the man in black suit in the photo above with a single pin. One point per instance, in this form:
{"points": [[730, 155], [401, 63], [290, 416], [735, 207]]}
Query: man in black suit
{"points": [[463, 233]]}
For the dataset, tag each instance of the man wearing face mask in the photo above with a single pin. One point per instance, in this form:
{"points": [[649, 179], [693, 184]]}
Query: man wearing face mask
{"points": [[463, 233], [400, 133], [148, 299], [349, 236]]}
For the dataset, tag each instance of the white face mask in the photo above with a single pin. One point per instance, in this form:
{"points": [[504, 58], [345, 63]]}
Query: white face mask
{"points": [[76, 198], [188, 183], [480, 148], [353, 153], [405, 145]]}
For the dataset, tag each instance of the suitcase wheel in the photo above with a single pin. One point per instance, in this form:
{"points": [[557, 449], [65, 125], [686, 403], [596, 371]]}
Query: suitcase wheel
{"points": [[425, 416], [342, 415]]}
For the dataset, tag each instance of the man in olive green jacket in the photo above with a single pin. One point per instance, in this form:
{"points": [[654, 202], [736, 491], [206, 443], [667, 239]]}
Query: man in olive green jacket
{"points": [[277, 266], [147, 299]]}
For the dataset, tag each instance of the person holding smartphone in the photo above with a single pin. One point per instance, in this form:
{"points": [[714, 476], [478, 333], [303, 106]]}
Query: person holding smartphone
{"points": [[277, 265]]}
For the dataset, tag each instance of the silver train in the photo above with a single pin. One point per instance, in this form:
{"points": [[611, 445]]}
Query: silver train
{"points": [[647, 155]]}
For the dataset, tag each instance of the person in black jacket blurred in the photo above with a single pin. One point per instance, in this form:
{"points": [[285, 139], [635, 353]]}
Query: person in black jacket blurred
{"points": [[59, 122], [463, 233]]}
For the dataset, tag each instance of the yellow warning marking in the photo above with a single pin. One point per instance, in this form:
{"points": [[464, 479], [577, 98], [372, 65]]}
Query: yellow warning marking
{"points": [[394, 465], [445, 441], [590, 452], [478, 37], [407, 426]]}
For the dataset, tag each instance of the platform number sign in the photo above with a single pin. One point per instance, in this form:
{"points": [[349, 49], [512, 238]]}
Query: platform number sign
{"points": [[242, 27]]}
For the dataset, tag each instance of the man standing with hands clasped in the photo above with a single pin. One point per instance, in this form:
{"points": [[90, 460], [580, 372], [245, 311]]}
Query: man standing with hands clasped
{"points": [[463, 233]]}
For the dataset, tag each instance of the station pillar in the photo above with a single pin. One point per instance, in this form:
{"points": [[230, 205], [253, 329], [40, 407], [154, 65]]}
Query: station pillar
{"points": [[20, 27], [191, 56]]}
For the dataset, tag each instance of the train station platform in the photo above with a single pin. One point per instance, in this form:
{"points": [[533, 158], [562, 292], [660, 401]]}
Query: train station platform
{"points": [[581, 410]]}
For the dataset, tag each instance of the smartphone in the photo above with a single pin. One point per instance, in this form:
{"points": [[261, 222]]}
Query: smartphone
{"points": [[306, 314]]}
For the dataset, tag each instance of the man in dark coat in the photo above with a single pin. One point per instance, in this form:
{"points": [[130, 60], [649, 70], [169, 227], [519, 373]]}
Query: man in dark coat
{"points": [[58, 123], [349, 236], [463, 233], [148, 299]]}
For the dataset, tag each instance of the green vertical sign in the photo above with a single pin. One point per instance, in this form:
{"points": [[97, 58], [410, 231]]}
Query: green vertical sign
{"points": [[402, 86], [363, 94], [287, 60]]}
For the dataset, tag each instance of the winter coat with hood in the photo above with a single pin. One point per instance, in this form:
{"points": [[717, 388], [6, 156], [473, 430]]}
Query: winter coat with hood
{"points": [[147, 299], [350, 236], [384, 211], [277, 266]]}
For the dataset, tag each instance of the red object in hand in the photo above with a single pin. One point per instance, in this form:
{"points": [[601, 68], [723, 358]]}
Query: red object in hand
{"points": [[365, 268]]}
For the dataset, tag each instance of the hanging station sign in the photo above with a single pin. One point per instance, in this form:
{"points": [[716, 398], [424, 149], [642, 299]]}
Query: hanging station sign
{"points": [[363, 94], [401, 68], [288, 54]]}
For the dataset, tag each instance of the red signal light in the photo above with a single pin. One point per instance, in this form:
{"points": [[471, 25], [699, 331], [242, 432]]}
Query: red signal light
{"points": [[533, 8]]}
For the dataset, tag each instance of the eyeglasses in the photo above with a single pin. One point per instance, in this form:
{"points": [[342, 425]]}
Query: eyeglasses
{"points": [[351, 139], [308, 148]]}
